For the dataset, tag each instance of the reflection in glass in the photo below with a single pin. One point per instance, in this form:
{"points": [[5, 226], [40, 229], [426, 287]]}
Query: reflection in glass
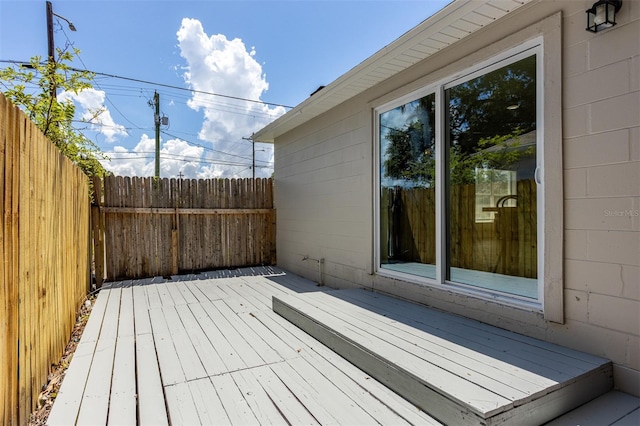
{"points": [[489, 215], [407, 188], [491, 193]]}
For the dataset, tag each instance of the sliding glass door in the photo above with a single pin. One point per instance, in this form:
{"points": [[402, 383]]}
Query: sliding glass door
{"points": [[475, 225]]}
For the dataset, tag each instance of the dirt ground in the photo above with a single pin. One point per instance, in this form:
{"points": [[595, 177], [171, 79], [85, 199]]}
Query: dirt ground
{"points": [[54, 380]]}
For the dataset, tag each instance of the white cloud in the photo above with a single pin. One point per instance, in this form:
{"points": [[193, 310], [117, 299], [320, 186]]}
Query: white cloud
{"points": [[176, 156], [94, 111], [218, 65]]}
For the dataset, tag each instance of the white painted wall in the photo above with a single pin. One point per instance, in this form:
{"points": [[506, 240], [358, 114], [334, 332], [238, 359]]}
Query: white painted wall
{"points": [[324, 189]]}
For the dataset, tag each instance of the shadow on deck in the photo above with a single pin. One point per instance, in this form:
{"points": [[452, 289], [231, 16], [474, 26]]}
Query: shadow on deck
{"points": [[209, 349], [458, 370]]}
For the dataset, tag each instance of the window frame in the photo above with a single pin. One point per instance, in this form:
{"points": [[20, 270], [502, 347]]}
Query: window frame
{"points": [[548, 282]]}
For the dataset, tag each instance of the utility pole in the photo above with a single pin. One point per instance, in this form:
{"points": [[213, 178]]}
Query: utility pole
{"points": [[50, 32], [50, 44], [156, 117], [253, 156], [164, 120]]}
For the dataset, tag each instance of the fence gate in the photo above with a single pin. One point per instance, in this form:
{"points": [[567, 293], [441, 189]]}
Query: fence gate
{"points": [[145, 227]]}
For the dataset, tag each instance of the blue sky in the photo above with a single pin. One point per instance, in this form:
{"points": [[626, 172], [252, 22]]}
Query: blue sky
{"points": [[272, 51]]}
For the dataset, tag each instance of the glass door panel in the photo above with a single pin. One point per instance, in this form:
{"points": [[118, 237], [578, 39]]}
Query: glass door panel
{"points": [[491, 207], [407, 188]]}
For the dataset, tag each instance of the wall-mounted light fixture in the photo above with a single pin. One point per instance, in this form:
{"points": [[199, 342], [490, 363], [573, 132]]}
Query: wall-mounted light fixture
{"points": [[602, 15]]}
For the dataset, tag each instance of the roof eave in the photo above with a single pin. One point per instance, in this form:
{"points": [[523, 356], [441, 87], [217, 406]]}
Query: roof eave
{"points": [[454, 22]]}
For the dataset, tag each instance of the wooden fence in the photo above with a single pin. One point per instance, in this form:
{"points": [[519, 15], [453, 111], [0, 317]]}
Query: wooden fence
{"points": [[169, 226], [44, 259], [507, 245]]}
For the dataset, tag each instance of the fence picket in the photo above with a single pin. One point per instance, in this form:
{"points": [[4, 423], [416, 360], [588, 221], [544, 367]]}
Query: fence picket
{"points": [[506, 245], [44, 259], [193, 225]]}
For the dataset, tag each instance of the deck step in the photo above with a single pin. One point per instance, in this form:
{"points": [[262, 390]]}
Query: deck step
{"points": [[458, 370]]}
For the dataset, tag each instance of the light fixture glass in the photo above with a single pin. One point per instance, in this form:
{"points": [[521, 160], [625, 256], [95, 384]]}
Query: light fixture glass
{"points": [[602, 15]]}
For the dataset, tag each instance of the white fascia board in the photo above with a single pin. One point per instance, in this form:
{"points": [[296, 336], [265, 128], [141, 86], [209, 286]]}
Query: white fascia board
{"points": [[438, 32]]}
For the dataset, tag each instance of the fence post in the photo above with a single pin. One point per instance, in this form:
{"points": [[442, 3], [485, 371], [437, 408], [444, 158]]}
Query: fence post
{"points": [[175, 232], [97, 221]]}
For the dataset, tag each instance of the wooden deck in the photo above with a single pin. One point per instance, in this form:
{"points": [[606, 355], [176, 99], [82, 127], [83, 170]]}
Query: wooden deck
{"points": [[208, 349], [458, 370], [613, 408]]}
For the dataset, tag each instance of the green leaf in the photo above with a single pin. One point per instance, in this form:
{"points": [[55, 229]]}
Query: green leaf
{"points": [[53, 118]]}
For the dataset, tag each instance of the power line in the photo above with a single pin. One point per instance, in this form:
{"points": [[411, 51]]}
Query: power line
{"points": [[110, 126], [138, 80], [96, 83], [123, 89], [135, 126], [177, 157], [191, 143], [209, 149]]}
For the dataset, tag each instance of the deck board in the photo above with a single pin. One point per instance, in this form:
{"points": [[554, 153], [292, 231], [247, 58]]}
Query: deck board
{"points": [[203, 347], [613, 408], [306, 394], [65, 410], [345, 403], [241, 347], [95, 400], [167, 354], [164, 294], [153, 296], [151, 405], [141, 320], [269, 336], [233, 401], [228, 354], [410, 311], [210, 289], [207, 403], [123, 385], [187, 353], [333, 364], [265, 411], [186, 292], [486, 375], [439, 378], [198, 295], [150, 396], [540, 363], [507, 379], [261, 347], [360, 380], [181, 405], [177, 296], [208, 349], [281, 397]]}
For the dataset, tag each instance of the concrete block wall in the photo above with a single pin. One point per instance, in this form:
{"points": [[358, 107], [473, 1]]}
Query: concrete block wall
{"points": [[324, 192], [322, 188], [601, 132]]}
